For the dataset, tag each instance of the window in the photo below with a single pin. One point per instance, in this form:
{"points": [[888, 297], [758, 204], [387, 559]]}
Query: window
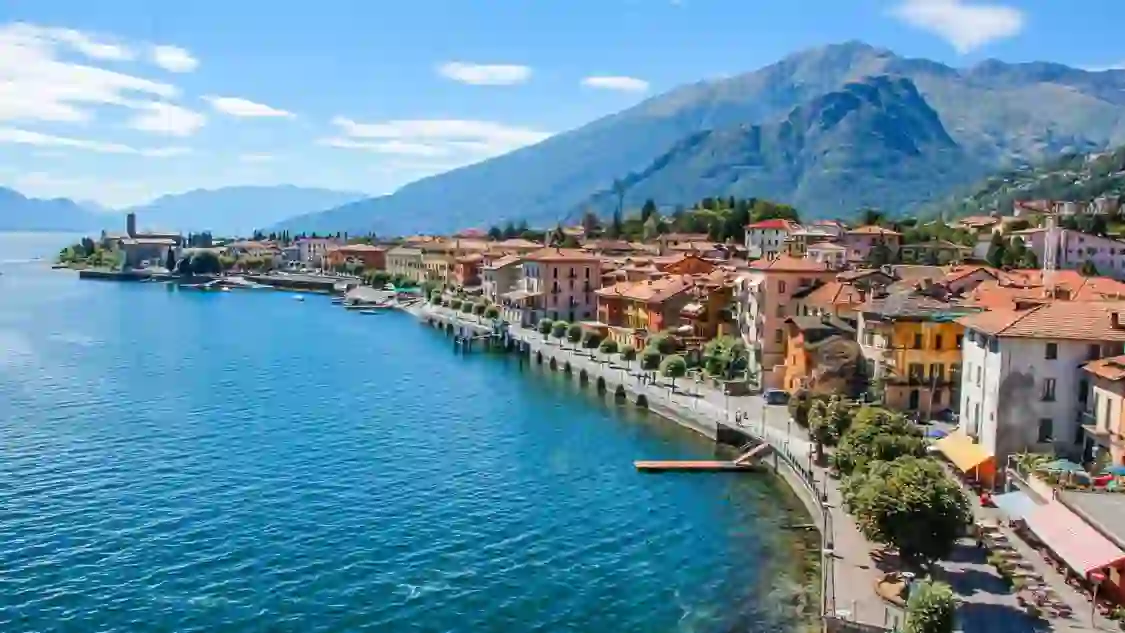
{"points": [[916, 372], [1052, 351], [978, 375], [1046, 430], [556, 273], [781, 287], [1093, 351], [994, 345], [781, 309], [1048, 390], [777, 336], [587, 273], [937, 341], [917, 341], [1083, 391], [937, 373], [959, 341]]}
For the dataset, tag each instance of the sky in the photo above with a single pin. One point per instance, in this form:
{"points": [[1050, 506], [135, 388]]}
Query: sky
{"points": [[120, 101]]}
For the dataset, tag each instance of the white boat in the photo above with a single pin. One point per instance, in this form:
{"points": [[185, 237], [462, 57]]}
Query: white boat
{"points": [[298, 297], [369, 312]]}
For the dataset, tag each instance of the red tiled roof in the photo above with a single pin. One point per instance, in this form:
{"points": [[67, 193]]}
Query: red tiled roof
{"points": [[786, 263], [871, 229], [774, 224], [1066, 320], [1109, 368], [551, 254]]}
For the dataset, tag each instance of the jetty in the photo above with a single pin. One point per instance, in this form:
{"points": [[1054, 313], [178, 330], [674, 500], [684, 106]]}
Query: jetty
{"points": [[745, 461]]}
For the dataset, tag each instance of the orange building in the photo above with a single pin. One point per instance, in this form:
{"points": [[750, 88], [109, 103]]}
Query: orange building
{"points": [[807, 337], [372, 257], [466, 270], [633, 310]]}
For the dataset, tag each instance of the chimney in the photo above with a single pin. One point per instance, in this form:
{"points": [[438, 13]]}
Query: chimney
{"points": [[131, 224]]}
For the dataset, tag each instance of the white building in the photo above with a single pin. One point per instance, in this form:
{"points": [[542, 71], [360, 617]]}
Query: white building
{"points": [[1021, 384], [765, 239], [313, 249], [1075, 248]]}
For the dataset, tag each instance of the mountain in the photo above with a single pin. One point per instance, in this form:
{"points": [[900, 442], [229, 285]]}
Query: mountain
{"points": [[998, 115], [236, 210], [879, 130], [1074, 177], [20, 213]]}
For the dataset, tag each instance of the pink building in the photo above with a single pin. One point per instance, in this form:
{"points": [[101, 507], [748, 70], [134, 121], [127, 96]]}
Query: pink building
{"points": [[860, 241], [561, 284], [1074, 248]]}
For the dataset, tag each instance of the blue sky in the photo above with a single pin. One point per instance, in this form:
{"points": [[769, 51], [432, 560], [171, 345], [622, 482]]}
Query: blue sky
{"points": [[119, 101]]}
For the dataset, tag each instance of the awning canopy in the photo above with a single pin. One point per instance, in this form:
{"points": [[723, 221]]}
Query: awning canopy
{"points": [[960, 449], [1017, 505], [1079, 545]]}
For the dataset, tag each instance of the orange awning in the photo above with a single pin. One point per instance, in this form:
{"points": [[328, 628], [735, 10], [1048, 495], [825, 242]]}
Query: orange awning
{"points": [[960, 449]]}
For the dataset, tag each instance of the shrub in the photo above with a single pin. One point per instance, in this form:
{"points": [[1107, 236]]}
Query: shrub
{"points": [[608, 346], [650, 359]]}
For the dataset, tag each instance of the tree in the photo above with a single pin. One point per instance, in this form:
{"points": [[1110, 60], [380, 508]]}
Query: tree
{"points": [[628, 354], [879, 255], [869, 217], [184, 267], [495, 234], [574, 333], [876, 435], [608, 346], [509, 231], [492, 312], [725, 357], [467, 307], [544, 327], [664, 342], [1088, 269], [455, 304], [673, 367], [996, 248], [651, 228], [650, 359], [206, 262], [591, 224], [931, 608], [558, 329], [169, 260], [591, 340], [648, 209], [616, 230], [909, 504], [435, 296], [479, 308]]}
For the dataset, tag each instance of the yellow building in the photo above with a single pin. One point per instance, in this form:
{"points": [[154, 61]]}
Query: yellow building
{"points": [[406, 262], [911, 344]]}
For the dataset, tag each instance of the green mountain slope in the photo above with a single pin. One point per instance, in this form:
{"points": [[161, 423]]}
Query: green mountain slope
{"points": [[1075, 177], [999, 115]]}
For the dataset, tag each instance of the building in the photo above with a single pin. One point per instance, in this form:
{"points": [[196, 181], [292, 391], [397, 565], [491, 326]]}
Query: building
{"points": [[366, 255], [860, 241], [766, 239], [1022, 388], [821, 355], [561, 282], [835, 298], [500, 277], [516, 245], [406, 262], [911, 343], [438, 265], [466, 270], [1074, 248], [144, 252], [710, 312], [833, 255], [762, 303], [312, 250], [633, 310], [934, 252], [1102, 420]]}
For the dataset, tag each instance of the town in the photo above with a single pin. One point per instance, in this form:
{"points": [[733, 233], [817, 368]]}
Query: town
{"points": [[992, 342]]}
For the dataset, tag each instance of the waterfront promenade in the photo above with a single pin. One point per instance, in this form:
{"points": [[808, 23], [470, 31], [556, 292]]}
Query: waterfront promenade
{"points": [[987, 604]]}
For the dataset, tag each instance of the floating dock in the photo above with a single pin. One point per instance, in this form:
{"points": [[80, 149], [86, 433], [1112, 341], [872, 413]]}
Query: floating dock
{"points": [[692, 466]]}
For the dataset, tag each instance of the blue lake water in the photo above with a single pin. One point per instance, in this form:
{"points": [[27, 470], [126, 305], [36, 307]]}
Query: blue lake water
{"points": [[185, 461]]}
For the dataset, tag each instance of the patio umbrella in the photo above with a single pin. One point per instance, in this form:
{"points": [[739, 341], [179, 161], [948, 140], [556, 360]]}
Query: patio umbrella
{"points": [[936, 433], [1063, 466]]}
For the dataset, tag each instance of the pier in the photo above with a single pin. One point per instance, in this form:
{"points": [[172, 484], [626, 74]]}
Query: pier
{"points": [[694, 466]]}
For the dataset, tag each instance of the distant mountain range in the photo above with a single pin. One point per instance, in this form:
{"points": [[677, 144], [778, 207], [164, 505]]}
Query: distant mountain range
{"points": [[829, 129], [224, 211]]}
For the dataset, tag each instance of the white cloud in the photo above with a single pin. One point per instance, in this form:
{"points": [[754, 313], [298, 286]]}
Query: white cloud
{"points": [[16, 136], [965, 25], [485, 74], [36, 85], [236, 106], [625, 84], [166, 118], [174, 59], [77, 41], [256, 158]]}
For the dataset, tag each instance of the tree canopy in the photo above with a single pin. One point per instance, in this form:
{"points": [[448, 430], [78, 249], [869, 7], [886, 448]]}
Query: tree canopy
{"points": [[931, 608], [876, 434]]}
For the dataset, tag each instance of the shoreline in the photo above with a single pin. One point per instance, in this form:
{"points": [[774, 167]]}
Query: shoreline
{"points": [[798, 496]]}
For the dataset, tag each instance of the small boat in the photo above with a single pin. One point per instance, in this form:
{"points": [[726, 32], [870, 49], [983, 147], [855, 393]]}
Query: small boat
{"points": [[369, 312], [225, 289], [298, 297], [337, 301]]}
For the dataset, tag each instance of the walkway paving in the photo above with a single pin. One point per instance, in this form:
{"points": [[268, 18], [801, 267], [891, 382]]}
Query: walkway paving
{"points": [[989, 606]]}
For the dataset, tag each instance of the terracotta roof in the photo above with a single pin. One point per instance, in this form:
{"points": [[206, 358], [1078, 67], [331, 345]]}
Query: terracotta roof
{"points": [[957, 273], [827, 246], [979, 220], [470, 258], [835, 293], [871, 229], [357, 248], [860, 273], [908, 304], [696, 246], [1109, 368], [786, 263], [516, 242], [607, 245], [1024, 286], [651, 291], [504, 261], [1069, 320], [552, 254], [773, 224], [822, 324], [683, 237]]}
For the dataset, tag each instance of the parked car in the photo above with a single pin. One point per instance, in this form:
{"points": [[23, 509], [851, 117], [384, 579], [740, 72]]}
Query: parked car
{"points": [[776, 396]]}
